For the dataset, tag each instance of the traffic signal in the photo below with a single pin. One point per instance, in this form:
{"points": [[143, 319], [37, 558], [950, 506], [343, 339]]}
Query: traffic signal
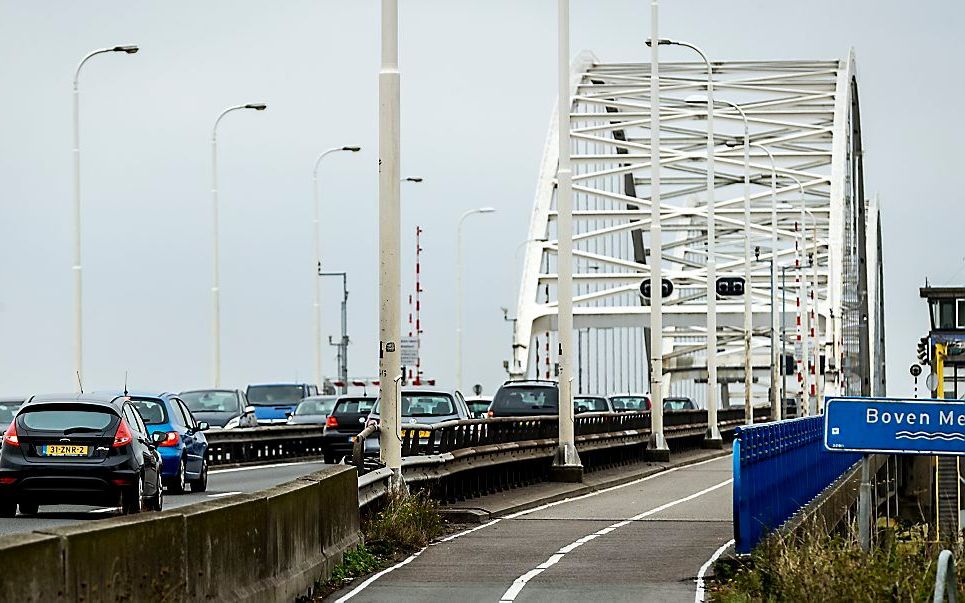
{"points": [[923, 350], [666, 288], [730, 286]]}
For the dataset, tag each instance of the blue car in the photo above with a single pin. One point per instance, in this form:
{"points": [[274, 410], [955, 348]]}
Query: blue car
{"points": [[274, 402], [183, 449]]}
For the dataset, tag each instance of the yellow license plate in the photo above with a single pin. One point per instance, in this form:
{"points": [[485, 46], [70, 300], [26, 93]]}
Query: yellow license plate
{"points": [[422, 434], [63, 450]]}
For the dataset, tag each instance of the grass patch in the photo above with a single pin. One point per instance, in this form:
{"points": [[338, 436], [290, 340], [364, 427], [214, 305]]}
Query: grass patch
{"points": [[408, 523], [813, 566], [355, 563]]}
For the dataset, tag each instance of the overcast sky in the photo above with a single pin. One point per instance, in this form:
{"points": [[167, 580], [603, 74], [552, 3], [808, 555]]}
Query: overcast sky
{"points": [[478, 85]]}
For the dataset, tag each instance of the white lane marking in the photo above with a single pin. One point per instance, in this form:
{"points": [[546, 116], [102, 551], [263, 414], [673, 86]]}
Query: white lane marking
{"points": [[452, 537], [372, 579], [520, 583], [253, 467], [220, 494], [106, 510], [699, 595]]}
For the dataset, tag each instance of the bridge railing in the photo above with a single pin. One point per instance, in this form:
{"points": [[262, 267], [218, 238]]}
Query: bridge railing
{"points": [[778, 469]]}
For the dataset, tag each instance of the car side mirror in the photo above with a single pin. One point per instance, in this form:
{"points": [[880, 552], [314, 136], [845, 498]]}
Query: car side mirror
{"points": [[249, 410], [203, 426], [158, 436]]}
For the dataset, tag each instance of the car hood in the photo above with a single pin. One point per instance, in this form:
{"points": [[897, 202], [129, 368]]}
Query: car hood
{"points": [[308, 419], [214, 418]]}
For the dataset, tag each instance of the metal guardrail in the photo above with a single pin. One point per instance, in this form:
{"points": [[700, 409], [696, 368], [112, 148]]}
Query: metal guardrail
{"points": [[263, 444], [945, 579], [458, 460], [778, 469]]}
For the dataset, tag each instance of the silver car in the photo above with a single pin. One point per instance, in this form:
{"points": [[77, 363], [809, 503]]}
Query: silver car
{"points": [[423, 406], [313, 410]]}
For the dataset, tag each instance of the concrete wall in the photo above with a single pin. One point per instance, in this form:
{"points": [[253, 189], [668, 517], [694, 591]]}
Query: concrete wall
{"points": [[271, 545]]}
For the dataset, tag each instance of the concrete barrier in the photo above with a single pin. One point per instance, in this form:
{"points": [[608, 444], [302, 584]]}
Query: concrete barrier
{"points": [[31, 568], [271, 545]]}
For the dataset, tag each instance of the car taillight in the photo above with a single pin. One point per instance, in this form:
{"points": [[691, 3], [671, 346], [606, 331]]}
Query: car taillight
{"points": [[6, 481], [10, 436], [123, 436], [489, 413], [171, 438], [331, 421]]}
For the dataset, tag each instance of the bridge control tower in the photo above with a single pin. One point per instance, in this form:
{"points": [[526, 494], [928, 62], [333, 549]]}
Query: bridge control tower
{"points": [[944, 352]]}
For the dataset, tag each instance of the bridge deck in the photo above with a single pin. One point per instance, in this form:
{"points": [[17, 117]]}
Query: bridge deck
{"points": [[642, 541]]}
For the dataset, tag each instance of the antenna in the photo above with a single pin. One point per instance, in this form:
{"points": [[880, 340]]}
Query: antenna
{"points": [[80, 384], [125, 383]]}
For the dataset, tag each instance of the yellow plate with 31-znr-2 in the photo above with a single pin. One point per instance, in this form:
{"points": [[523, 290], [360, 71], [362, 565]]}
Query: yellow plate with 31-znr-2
{"points": [[63, 450]]}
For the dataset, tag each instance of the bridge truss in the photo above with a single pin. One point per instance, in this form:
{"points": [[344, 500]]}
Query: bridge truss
{"points": [[806, 113]]}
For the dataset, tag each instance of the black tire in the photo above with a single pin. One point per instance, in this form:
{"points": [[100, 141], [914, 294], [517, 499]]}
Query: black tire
{"points": [[8, 508], [156, 502], [179, 481], [132, 498], [329, 458], [29, 508], [201, 484]]}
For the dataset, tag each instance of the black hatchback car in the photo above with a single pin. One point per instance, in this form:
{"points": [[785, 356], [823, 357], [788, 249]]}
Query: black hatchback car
{"points": [[345, 422], [80, 449]]}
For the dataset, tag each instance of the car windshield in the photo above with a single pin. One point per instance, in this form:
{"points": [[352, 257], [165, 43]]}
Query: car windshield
{"points": [[478, 405], [318, 406], [7, 412], [591, 404], [152, 411], [272, 395], [629, 403], [678, 404], [527, 399], [63, 419], [353, 406], [425, 405], [210, 401]]}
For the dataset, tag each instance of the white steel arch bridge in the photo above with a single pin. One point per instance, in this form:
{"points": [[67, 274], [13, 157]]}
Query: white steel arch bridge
{"points": [[806, 115]]}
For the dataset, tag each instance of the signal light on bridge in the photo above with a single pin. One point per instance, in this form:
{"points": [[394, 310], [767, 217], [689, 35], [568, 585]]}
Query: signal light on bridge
{"points": [[923, 350], [730, 286], [666, 288]]}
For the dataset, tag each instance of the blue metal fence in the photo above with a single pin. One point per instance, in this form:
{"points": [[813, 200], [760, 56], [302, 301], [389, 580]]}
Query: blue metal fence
{"points": [[778, 468]]}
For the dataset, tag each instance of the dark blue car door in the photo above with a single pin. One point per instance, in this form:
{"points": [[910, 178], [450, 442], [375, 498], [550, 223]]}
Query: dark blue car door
{"points": [[194, 441]]}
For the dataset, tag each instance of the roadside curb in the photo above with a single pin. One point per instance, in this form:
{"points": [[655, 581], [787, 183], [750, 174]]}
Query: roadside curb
{"points": [[480, 515]]}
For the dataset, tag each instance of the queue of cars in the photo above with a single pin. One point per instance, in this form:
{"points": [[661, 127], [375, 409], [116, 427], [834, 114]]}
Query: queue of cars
{"points": [[126, 449]]}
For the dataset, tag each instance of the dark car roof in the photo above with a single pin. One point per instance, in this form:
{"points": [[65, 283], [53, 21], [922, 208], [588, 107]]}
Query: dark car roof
{"points": [[531, 382], [109, 399]]}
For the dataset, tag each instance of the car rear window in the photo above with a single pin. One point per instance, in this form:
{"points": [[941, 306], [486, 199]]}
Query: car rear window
{"points": [[527, 400], [478, 406], [629, 403], [66, 419], [315, 407], [152, 411], [591, 404], [425, 405], [353, 406]]}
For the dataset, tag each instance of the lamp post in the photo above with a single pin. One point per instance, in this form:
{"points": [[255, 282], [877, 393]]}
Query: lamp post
{"points": [[317, 271], [342, 345], [712, 438], [215, 273], [478, 210], [77, 267], [390, 362], [775, 406]]}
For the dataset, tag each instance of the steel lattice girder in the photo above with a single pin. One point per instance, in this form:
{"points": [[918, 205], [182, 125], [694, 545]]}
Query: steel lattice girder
{"points": [[805, 113]]}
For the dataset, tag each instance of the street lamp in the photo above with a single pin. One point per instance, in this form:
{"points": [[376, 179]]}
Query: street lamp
{"points": [[479, 210], [318, 260], [215, 274], [712, 438], [78, 290], [748, 324]]}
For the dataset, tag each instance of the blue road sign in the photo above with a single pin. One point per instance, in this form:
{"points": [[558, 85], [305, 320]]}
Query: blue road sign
{"points": [[894, 426]]}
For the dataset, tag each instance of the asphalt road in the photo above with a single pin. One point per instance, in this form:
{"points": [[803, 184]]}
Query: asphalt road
{"points": [[221, 482], [644, 541]]}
